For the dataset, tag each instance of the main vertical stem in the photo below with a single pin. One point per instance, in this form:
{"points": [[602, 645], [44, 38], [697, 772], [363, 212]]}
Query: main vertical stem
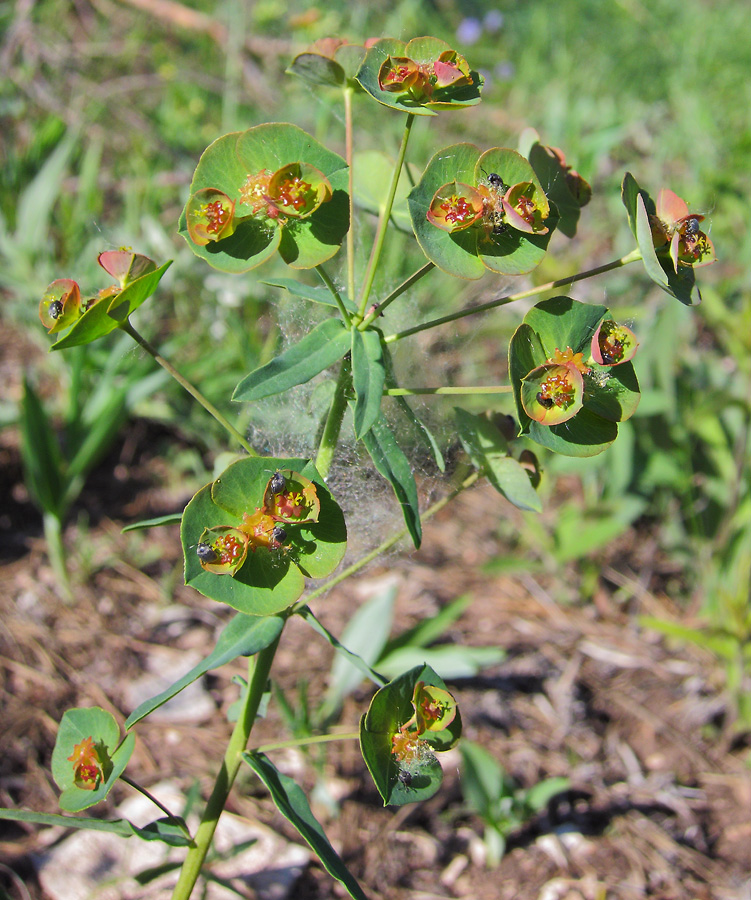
{"points": [[258, 674]]}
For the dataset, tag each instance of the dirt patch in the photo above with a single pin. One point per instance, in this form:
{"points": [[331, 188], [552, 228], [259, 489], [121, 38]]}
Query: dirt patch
{"points": [[660, 791]]}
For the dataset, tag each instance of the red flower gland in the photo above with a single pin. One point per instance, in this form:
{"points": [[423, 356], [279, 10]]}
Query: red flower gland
{"points": [[556, 390], [457, 211], [217, 215], [87, 766], [295, 192]]}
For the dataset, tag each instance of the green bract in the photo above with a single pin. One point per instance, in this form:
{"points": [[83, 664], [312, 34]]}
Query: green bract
{"points": [[112, 306], [272, 187], [272, 574], [421, 77], [331, 62], [678, 281], [552, 333], [88, 752], [398, 740], [496, 240]]}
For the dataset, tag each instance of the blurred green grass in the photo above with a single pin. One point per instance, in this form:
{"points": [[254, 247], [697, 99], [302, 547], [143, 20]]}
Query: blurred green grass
{"points": [[105, 108]]}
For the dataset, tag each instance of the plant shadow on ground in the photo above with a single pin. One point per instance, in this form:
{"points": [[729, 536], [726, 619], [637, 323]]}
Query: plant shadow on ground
{"points": [[659, 796]]}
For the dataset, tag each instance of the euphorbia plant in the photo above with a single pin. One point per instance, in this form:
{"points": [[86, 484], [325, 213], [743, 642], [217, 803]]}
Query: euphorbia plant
{"points": [[256, 536]]}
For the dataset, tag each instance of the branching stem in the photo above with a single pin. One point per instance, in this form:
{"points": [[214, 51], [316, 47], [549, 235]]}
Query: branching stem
{"points": [[383, 218], [190, 388], [502, 301]]}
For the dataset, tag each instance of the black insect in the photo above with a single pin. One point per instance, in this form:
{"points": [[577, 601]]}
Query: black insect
{"points": [[55, 309], [405, 777], [206, 552], [613, 353], [278, 483], [495, 181], [278, 536], [691, 228], [547, 402]]}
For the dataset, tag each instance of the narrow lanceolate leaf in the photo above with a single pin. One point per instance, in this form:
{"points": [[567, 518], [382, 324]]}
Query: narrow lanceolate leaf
{"points": [[488, 450], [169, 519], [41, 454], [306, 614], [368, 377], [243, 636], [322, 347], [293, 805], [395, 468], [167, 830]]}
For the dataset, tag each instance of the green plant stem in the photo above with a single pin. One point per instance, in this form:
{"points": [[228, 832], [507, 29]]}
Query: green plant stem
{"points": [[333, 426], [149, 796], [387, 544], [383, 218], [259, 667], [502, 301], [348, 152], [323, 275], [304, 742], [190, 388], [53, 535], [405, 285], [476, 389]]}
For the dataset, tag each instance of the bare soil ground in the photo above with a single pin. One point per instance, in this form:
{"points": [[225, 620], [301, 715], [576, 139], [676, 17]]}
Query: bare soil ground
{"points": [[660, 800]]}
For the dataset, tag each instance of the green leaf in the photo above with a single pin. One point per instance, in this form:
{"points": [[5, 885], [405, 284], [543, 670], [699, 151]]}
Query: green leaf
{"points": [[269, 580], [553, 178], [483, 779], [450, 661], [585, 435], [430, 629], [364, 635], [317, 69], [167, 830], [242, 636], [540, 794], [390, 708], [425, 435], [318, 293], [75, 726], [488, 450], [322, 347], [612, 393], [357, 661], [395, 468], [292, 803], [368, 378], [40, 452], [561, 322], [136, 293], [93, 324], [170, 519]]}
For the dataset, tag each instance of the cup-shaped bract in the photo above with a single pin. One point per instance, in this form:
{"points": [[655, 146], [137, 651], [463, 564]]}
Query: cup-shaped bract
{"points": [[562, 402], [422, 76], [285, 192], [60, 305]]}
